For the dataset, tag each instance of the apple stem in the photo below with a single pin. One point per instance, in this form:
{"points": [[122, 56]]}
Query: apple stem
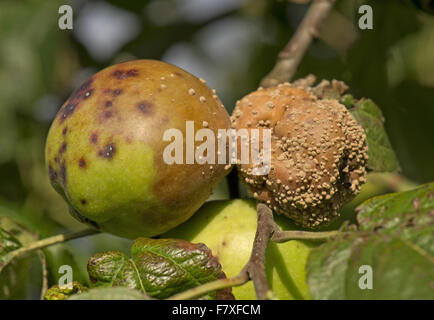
{"points": [[283, 236]]}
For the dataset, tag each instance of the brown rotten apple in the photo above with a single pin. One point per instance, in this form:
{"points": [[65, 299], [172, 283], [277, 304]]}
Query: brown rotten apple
{"points": [[104, 150], [318, 153]]}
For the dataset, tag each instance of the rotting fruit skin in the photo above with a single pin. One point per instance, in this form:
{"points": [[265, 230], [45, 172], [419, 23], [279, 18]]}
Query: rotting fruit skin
{"points": [[228, 228], [104, 150], [318, 153]]}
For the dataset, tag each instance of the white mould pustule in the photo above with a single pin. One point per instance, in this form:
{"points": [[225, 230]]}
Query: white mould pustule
{"points": [[318, 153]]}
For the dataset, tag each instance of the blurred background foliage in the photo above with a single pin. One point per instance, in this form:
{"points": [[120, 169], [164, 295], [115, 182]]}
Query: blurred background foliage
{"points": [[230, 43]]}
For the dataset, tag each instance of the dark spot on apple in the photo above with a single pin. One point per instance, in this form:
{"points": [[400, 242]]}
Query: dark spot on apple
{"points": [[114, 92], [145, 107], [132, 73], [62, 148], [117, 74], [121, 74], [56, 159], [83, 201], [108, 114], [224, 243], [64, 131], [67, 111], [82, 163], [108, 104], [63, 173], [94, 138], [108, 151], [86, 85], [88, 94], [52, 174], [178, 74], [83, 219], [83, 92]]}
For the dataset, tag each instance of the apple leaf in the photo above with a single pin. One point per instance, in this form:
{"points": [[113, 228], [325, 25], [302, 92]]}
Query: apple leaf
{"points": [[7, 243], [13, 273], [158, 267], [119, 293], [394, 243], [12, 237], [381, 156]]}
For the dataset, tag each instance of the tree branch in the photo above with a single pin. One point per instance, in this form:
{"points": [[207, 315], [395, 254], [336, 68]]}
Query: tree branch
{"points": [[47, 242], [256, 265], [291, 56], [283, 236]]}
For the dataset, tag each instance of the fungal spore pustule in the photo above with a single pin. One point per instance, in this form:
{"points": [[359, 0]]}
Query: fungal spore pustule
{"points": [[318, 153]]}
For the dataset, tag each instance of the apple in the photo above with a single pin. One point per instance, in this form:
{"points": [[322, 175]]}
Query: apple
{"points": [[317, 156], [228, 228], [105, 148]]}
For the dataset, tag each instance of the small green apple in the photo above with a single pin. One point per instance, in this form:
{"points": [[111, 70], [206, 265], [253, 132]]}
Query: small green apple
{"points": [[228, 228]]}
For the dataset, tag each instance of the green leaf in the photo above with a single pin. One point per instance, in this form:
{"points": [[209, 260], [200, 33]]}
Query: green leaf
{"points": [[396, 210], [7, 243], [395, 238], [109, 294], [158, 267], [380, 152], [62, 293], [17, 231], [12, 237], [13, 273]]}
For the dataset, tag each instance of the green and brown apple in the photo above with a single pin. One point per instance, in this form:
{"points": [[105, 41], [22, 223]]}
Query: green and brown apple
{"points": [[104, 150], [228, 228]]}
